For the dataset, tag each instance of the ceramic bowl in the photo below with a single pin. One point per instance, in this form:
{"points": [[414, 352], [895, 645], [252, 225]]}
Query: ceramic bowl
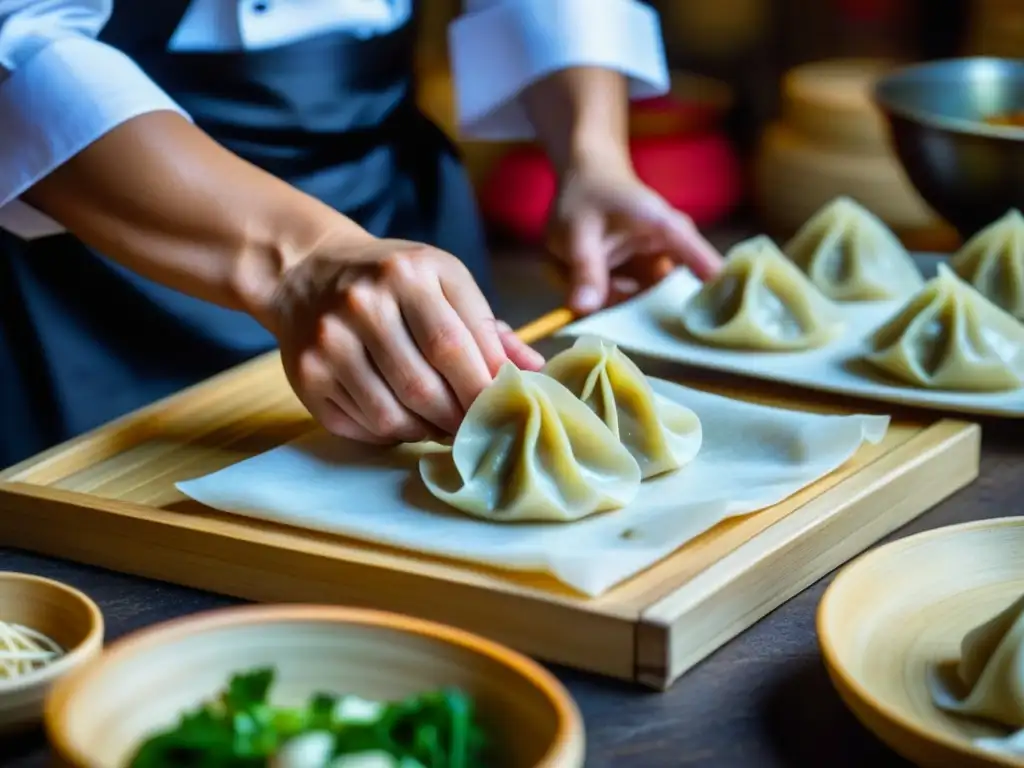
{"points": [[898, 612], [97, 718], [63, 614]]}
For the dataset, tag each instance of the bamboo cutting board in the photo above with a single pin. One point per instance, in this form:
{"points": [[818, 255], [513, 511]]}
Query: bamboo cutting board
{"points": [[108, 499]]}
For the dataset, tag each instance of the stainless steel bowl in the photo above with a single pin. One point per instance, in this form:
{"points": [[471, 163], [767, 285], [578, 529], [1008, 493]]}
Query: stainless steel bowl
{"points": [[970, 172]]}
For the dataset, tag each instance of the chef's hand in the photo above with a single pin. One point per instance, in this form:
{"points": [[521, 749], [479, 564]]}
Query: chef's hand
{"points": [[389, 341], [617, 236]]}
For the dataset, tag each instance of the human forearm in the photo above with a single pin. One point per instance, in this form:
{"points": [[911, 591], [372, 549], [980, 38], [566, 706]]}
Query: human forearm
{"points": [[160, 197], [581, 115]]}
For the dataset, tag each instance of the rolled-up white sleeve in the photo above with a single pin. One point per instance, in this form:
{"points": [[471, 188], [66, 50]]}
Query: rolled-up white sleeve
{"points": [[60, 90], [500, 47]]}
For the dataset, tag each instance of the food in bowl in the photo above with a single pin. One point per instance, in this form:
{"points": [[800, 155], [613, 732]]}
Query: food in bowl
{"points": [[993, 262], [24, 650], [851, 255], [1013, 119], [948, 336], [762, 302], [242, 728], [991, 668]]}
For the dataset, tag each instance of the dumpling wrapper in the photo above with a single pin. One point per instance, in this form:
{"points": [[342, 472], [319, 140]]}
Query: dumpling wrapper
{"points": [[951, 337], [851, 255], [993, 262], [991, 669], [528, 449], [761, 301], [660, 434]]}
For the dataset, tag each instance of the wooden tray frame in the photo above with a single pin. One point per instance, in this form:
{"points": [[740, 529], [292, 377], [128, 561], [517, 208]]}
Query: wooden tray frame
{"points": [[651, 629]]}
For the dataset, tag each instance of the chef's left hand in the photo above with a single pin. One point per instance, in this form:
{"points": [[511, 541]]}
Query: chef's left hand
{"points": [[616, 236]]}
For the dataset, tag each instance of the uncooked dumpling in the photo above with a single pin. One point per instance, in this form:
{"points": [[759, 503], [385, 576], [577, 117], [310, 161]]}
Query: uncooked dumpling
{"points": [[528, 449], [993, 262], [660, 434], [851, 255], [992, 670], [761, 301], [951, 337]]}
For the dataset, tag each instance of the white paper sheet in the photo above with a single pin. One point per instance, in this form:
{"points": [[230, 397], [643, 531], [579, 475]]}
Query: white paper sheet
{"points": [[752, 457], [649, 324]]}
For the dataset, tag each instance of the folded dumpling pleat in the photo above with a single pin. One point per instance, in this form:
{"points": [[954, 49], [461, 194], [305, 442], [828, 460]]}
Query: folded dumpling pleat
{"points": [[993, 262], [528, 449], [660, 434], [949, 336], [992, 670], [761, 301], [851, 255]]}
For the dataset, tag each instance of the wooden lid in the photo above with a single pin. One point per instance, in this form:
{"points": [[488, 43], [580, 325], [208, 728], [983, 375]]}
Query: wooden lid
{"points": [[877, 180], [831, 103]]}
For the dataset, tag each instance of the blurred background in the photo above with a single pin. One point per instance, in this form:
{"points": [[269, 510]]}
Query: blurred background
{"points": [[770, 115]]}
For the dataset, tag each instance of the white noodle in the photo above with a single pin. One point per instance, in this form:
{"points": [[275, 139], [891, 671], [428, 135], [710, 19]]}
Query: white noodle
{"points": [[24, 650]]}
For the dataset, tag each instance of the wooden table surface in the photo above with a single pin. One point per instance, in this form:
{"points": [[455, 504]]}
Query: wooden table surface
{"points": [[762, 700]]}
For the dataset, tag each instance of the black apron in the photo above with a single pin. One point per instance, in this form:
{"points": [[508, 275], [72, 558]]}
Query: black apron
{"points": [[83, 340]]}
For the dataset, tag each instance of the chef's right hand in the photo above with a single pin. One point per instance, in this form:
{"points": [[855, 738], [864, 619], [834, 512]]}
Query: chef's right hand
{"points": [[388, 341]]}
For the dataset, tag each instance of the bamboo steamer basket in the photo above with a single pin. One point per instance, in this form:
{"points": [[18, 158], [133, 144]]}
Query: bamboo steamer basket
{"points": [[829, 102], [832, 141]]}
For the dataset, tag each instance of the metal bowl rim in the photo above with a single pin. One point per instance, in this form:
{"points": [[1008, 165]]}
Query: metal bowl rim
{"points": [[951, 124]]}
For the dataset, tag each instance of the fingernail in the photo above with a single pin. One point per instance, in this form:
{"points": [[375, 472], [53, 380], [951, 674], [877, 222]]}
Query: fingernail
{"points": [[587, 299], [535, 357]]}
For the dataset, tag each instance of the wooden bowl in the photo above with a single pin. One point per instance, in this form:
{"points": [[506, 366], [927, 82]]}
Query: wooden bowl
{"points": [[96, 719], [63, 614], [898, 610]]}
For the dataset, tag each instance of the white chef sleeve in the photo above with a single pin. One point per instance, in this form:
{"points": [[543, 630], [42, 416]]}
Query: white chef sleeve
{"points": [[60, 90], [499, 47]]}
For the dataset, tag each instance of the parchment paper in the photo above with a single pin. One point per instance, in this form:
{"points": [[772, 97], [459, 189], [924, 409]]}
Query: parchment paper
{"points": [[752, 457], [649, 324]]}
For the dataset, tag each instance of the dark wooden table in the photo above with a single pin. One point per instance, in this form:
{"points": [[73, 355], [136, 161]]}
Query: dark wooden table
{"points": [[762, 700]]}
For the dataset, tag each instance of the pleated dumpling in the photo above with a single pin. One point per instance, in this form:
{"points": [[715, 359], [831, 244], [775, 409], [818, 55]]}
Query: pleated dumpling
{"points": [[949, 336], [991, 669], [528, 449], [761, 301], [851, 255], [660, 434], [993, 262]]}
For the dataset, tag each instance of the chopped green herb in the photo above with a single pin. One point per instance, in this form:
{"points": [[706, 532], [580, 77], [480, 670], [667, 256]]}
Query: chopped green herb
{"points": [[242, 729]]}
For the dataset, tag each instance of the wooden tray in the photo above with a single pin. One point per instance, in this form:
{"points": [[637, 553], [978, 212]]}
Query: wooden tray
{"points": [[107, 498]]}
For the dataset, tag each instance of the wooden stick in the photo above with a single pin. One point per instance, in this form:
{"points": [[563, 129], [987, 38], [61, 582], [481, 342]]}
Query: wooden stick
{"points": [[545, 325]]}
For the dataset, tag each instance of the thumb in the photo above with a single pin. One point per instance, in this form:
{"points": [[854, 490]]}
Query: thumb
{"points": [[588, 264]]}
